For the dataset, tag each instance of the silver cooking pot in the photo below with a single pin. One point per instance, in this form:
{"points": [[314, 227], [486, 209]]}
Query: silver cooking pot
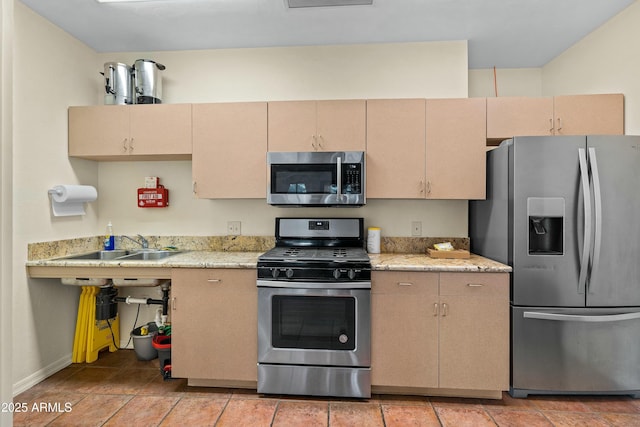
{"points": [[118, 83], [147, 81]]}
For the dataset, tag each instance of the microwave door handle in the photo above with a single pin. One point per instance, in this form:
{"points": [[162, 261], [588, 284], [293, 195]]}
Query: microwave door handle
{"points": [[339, 179]]}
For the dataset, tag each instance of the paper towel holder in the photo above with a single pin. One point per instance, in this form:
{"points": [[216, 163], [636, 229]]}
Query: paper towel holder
{"points": [[68, 200]]}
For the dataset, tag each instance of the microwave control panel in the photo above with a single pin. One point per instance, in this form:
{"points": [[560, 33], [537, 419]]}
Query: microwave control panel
{"points": [[352, 178]]}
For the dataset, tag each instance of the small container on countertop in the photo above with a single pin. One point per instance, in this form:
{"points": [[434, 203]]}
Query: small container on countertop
{"points": [[373, 240]]}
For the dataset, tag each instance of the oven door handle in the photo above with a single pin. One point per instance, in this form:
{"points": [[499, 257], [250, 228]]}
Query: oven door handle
{"points": [[313, 285]]}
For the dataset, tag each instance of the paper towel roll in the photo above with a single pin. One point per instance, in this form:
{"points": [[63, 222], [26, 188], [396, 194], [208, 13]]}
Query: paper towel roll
{"points": [[68, 199]]}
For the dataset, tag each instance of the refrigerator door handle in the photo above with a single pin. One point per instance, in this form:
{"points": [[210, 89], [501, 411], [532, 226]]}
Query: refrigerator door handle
{"points": [[586, 244], [597, 194], [581, 318]]}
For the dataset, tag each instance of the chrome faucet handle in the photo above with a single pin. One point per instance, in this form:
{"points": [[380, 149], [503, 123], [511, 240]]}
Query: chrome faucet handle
{"points": [[144, 242]]}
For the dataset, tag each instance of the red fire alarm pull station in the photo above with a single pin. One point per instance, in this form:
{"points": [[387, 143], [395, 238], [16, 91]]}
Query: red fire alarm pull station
{"points": [[153, 195]]}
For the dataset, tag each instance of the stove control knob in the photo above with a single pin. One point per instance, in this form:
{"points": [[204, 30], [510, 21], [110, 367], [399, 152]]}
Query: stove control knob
{"points": [[289, 273], [275, 273], [352, 274], [343, 338], [336, 273]]}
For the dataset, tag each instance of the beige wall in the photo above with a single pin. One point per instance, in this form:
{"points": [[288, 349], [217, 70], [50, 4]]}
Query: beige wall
{"points": [[506, 82], [325, 72], [51, 70], [6, 217], [605, 61]]}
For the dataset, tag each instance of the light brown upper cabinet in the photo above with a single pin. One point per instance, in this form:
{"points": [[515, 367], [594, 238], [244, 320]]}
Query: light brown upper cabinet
{"points": [[456, 148], [229, 150], [396, 148], [560, 115], [589, 114], [130, 132], [433, 149], [338, 125]]}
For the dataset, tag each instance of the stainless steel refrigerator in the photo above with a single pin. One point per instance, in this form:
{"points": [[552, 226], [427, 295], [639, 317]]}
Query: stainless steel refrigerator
{"points": [[564, 212]]}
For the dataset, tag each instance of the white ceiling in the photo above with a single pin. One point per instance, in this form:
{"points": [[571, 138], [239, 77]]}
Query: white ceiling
{"points": [[500, 33]]}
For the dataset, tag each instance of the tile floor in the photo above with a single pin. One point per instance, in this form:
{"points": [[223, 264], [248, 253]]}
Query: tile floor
{"points": [[118, 389]]}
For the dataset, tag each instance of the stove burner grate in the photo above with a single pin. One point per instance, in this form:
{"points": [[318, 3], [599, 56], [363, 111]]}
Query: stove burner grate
{"points": [[339, 253], [292, 252]]}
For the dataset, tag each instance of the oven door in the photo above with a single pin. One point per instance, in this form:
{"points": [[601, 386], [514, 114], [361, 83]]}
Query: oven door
{"points": [[323, 327], [316, 178]]}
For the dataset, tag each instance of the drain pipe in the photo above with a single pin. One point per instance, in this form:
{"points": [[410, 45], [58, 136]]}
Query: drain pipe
{"points": [[107, 299]]}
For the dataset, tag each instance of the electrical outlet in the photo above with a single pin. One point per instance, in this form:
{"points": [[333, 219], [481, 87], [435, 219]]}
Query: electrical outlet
{"points": [[416, 228], [233, 228]]}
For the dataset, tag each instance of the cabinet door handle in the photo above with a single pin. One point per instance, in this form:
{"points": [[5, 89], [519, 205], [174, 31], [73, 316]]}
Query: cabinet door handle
{"points": [[551, 125], [422, 186], [475, 285], [444, 309], [405, 284], [173, 303], [214, 280], [124, 145], [320, 141], [435, 309], [193, 187], [428, 187], [131, 145], [559, 124], [314, 144]]}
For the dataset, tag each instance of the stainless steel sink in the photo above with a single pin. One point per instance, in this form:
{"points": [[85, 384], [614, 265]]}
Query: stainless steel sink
{"points": [[122, 255], [147, 255], [97, 255]]}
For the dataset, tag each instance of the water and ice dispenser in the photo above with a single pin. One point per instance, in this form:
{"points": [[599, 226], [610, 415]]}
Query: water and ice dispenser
{"points": [[546, 225]]}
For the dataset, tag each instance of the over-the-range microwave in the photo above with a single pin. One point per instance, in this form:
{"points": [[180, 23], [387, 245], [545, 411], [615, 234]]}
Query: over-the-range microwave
{"points": [[316, 178]]}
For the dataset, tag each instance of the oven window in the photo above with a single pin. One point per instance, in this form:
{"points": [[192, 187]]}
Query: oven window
{"points": [[305, 178], [314, 322]]}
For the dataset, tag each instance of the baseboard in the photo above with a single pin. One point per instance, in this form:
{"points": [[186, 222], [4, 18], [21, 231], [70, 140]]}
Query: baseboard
{"points": [[38, 376]]}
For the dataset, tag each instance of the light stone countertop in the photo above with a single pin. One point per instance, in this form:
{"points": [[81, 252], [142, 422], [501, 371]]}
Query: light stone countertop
{"points": [[188, 259], [221, 259], [421, 262]]}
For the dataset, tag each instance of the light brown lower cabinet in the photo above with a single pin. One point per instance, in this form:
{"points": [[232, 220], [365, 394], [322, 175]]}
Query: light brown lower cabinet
{"points": [[214, 324], [440, 330]]}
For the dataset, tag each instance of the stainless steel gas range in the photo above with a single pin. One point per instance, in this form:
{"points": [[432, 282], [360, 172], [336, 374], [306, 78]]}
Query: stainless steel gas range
{"points": [[314, 310]]}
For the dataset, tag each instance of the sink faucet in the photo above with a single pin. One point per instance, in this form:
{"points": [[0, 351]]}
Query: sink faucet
{"points": [[143, 242]]}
